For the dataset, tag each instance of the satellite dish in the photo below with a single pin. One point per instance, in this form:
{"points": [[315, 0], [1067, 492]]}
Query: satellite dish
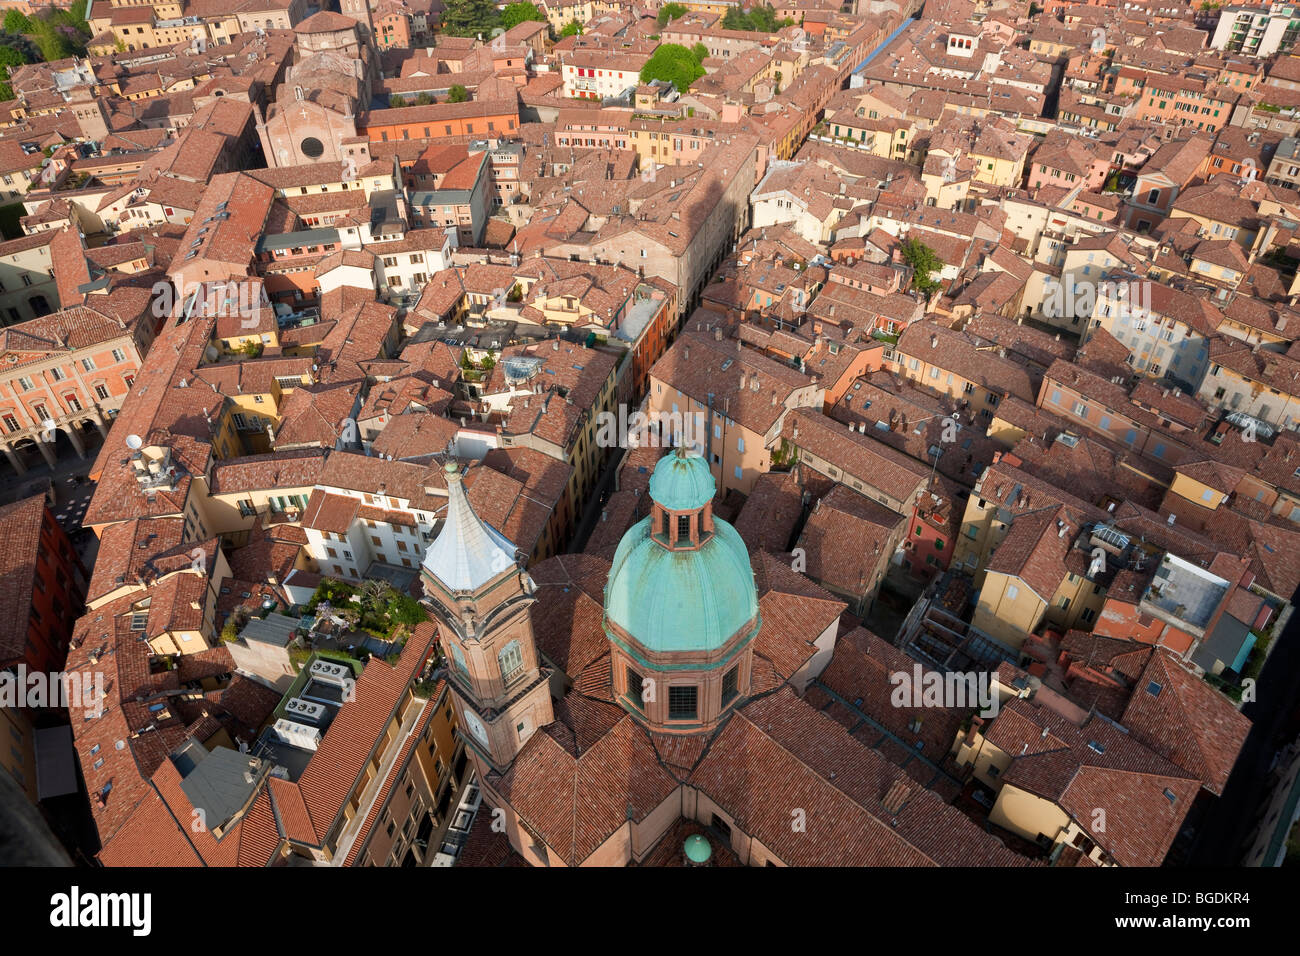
{"points": [[134, 442]]}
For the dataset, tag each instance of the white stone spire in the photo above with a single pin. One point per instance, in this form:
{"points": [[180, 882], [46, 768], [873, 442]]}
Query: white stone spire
{"points": [[468, 552]]}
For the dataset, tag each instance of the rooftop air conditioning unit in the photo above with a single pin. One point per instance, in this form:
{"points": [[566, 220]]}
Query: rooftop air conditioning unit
{"points": [[330, 673], [297, 735], [306, 710]]}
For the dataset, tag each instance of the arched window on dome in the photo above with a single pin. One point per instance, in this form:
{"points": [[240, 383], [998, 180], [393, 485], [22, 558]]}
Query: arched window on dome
{"points": [[511, 659]]}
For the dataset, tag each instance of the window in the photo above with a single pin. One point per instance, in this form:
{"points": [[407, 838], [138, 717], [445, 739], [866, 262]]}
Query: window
{"points": [[458, 657], [682, 702], [730, 685], [634, 689], [88, 364], [511, 660]]}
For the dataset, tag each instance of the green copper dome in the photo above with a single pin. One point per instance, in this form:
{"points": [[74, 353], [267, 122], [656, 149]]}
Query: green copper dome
{"points": [[698, 849], [682, 482], [681, 600], [688, 599]]}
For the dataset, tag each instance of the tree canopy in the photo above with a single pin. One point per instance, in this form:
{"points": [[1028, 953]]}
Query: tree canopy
{"points": [[11, 57], [674, 64], [760, 18], [469, 18], [517, 13], [670, 11], [457, 94], [571, 29], [57, 33], [925, 262], [17, 22]]}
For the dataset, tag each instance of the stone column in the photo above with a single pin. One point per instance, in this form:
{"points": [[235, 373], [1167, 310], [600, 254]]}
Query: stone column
{"points": [[47, 452], [14, 460], [74, 436]]}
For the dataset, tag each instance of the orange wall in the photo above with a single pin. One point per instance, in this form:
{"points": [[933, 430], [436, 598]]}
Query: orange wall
{"points": [[438, 128]]}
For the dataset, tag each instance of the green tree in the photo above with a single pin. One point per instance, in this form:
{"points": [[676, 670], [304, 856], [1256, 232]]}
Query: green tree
{"points": [[424, 99], [761, 18], [16, 22], [457, 94], [701, 52], [517, 13], [59, 33], [925, 262], [10, 57], [6, 92], [469, 18], [571, 29], [396, 101], [674, 64], [670, 11]]}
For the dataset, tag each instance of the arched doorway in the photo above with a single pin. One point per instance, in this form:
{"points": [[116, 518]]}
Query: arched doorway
{"points": [[39, 305]]}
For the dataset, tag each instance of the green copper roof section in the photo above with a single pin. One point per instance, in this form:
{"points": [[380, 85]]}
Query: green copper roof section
{"points": [[681, 600], [682, 482], [698, 849]]}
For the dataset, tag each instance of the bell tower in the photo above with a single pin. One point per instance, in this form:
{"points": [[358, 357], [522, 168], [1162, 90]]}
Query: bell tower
{"points": [[359, 10], [482, 599]]}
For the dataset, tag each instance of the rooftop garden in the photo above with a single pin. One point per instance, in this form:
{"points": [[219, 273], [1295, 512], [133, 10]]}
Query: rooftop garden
{"points": [[373, 606]]}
